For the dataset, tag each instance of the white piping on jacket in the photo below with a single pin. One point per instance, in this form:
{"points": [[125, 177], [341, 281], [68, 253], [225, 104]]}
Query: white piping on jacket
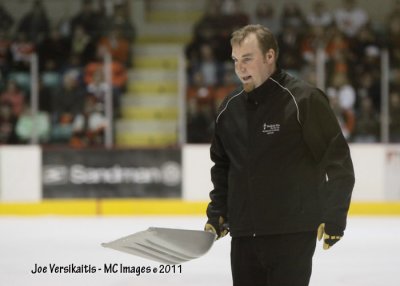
{"points": [[226, 106], [294, 99]]}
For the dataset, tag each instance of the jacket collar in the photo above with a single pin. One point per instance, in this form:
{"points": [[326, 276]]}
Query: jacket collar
{"points": [[261, 93]]}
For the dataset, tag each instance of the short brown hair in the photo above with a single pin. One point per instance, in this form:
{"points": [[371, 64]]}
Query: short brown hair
{"points": [[265, 37]]}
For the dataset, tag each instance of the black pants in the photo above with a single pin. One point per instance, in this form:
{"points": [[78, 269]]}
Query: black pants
{"points": [[273, 260]]}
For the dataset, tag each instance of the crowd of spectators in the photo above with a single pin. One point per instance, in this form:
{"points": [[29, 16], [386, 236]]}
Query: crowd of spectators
{"points": [[72, 87], [352, 44]]}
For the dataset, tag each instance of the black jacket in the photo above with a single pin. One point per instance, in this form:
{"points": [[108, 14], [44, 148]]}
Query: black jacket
{"points": [[282, 164]]}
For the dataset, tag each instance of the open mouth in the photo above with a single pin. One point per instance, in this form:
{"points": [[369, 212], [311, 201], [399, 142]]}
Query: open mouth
{"points": [[246, 78]]}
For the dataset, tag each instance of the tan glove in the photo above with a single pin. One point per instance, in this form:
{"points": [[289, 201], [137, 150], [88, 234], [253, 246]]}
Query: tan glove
{"points": [[331, 234], [219, 226]]}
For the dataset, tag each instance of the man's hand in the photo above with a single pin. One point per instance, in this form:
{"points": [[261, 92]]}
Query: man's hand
{"points": [[331, 234], [218, 226]]}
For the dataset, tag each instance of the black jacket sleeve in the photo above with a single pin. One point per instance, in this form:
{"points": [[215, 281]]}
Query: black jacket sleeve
{"points": [[219, 177], [330, 150]]}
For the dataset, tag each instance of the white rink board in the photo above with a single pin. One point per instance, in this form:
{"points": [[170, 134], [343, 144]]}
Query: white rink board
{"points": [[376, 167], [20, 173]]}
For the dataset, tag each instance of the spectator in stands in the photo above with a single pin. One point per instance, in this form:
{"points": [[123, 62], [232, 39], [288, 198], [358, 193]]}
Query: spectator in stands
{"points": [[88, 127], [46, 95], [50, 76], [341, 89], [289, 41], [342, 98], [74, 65], [364, 39], [117, 45], [7, 124], [350, 18], [119, 77], [372, 61], [70, 97], [235, 16], [319, 21], [394, 11], [212, 17], [369, 86], [228, 7], [394, 111], [366, 129], [55, 49], [82, 45], [345, 116], [319, 16], [366, 51], [205, 31], [395, 79], [6, 19], [120, 20], [31, 125], [88, 18], [292, 18], [199, 126], [265, 15], [339, 64], [208, 66], [21, 50], [218, 23], [202, 102], [98, 87], [313, 40], [5, 60], [103, 10], [393, 31], [13, 96], [200, 110], [67, 102], [338, 53], [337, 43], [14, 113], [35, 23]]}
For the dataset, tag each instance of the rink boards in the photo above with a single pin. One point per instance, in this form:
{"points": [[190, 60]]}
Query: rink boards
{"points": [[376, 192]]}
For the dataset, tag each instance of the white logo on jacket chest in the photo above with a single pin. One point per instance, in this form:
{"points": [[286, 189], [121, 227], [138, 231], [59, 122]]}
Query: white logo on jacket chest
{"points": [[270, 129]]}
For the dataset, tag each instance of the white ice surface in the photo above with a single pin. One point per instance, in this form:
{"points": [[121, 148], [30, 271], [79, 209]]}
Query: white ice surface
{"points": [[368, 255]]}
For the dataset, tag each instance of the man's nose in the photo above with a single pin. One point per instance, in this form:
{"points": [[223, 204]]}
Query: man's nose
{"points": [[240, 67]]}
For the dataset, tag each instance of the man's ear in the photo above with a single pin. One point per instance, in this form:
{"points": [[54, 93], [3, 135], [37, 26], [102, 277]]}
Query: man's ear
{"points": [[270, 56]]}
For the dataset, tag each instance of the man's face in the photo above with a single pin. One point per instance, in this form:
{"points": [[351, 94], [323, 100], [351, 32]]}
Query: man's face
{"points": [[252, 66]]}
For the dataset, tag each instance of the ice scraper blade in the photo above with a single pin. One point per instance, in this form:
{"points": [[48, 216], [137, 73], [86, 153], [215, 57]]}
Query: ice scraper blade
{"points": [[165, 245]]}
